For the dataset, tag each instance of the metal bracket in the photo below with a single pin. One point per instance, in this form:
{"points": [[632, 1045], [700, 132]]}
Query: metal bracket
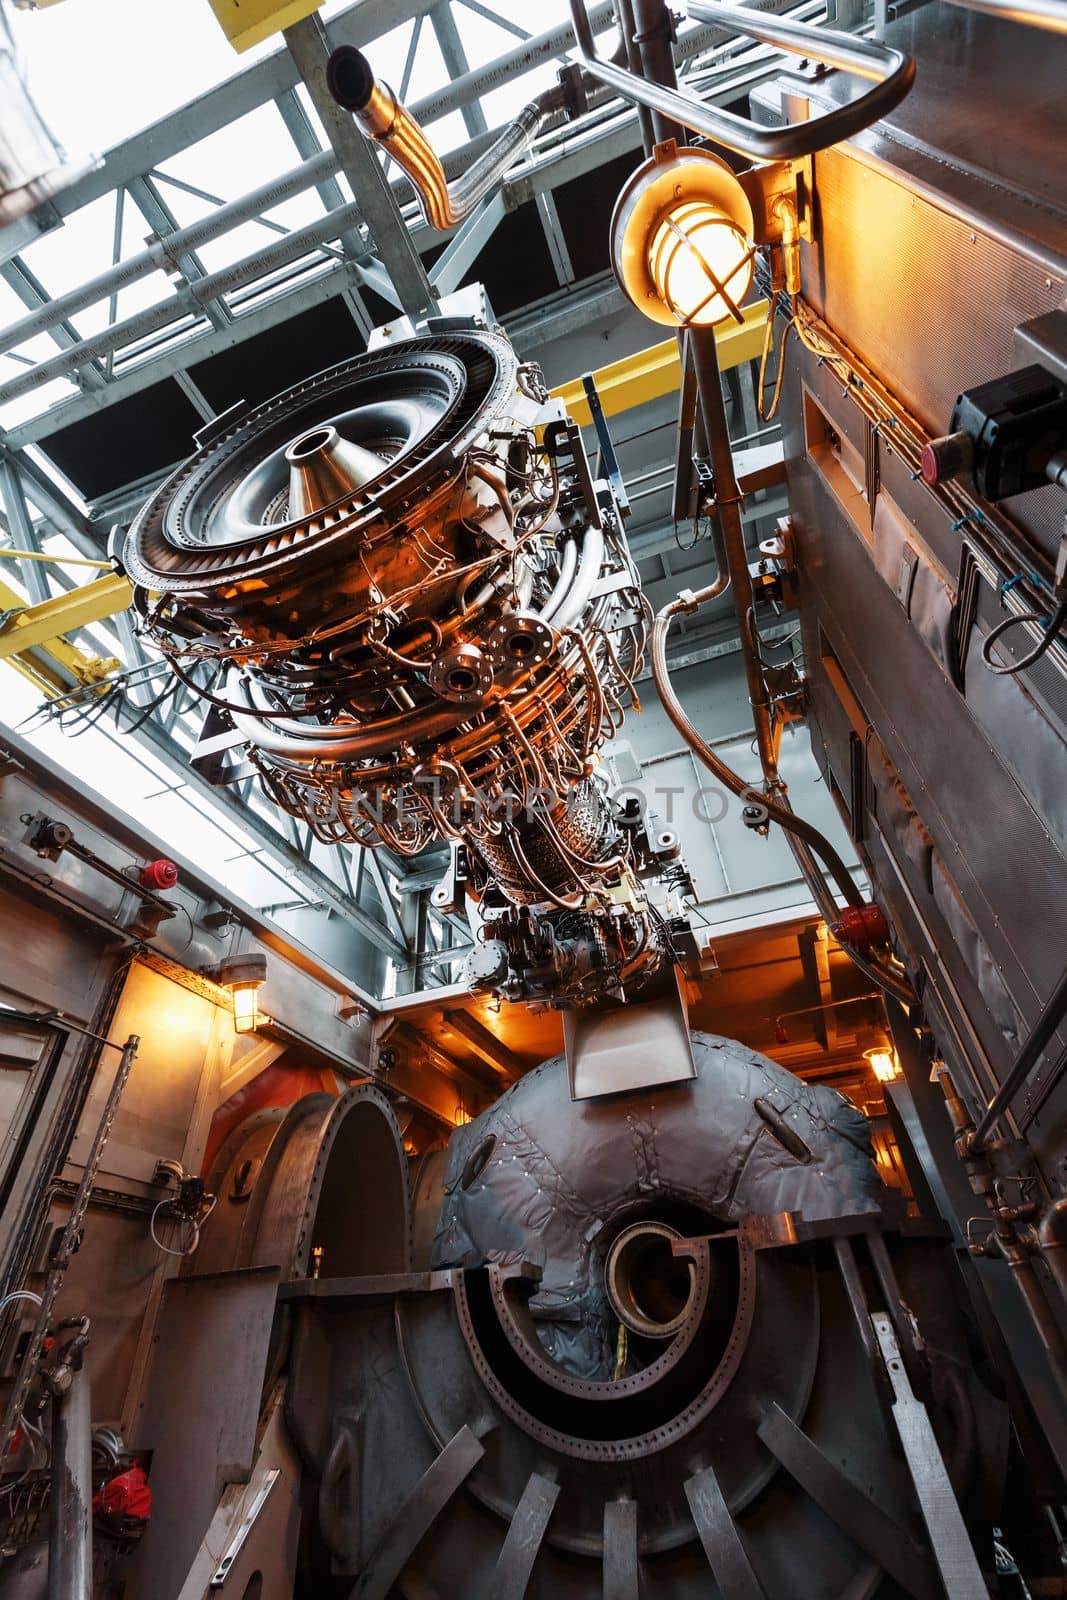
{"points": [[212, 758], [607, 447], [233, 1549], [449, 896]]}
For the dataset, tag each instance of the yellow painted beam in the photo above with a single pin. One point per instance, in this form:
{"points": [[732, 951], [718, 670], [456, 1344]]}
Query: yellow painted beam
{"points": [[45, 677], [652, 373], [32, 637], [27, 626], [54, 560], [246, 22], [46, 666]]}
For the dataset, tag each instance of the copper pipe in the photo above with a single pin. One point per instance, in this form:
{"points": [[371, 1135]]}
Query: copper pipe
{"points": [[382, 118], [734, 555], [805, 841], [776, 812], [1052, 1239]]}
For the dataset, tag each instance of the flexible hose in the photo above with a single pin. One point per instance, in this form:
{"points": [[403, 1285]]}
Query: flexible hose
{"points": [[1051, 625], [567, 568], [577, 598], [777, 811], [805, 840]]}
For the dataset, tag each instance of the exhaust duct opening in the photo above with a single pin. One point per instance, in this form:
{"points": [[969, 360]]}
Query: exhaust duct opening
{"points": [[650, 1289]]}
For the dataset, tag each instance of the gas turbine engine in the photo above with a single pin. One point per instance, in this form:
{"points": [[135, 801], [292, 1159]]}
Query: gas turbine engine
{"points": [[400, 591]]}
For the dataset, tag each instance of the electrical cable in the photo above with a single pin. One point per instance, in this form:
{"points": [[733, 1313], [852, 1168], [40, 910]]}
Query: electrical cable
{"points": [[1052, 626], [19, 1294], [768, 413], [34, 1434], [188, 1222]]}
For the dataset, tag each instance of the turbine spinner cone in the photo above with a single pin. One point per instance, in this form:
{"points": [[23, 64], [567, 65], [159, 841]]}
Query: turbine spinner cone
{"points": [[323, 468]]}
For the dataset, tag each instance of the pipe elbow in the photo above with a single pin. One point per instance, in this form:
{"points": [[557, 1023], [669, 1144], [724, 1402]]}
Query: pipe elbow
{"points": [[381, 117], [1052, 1229]]}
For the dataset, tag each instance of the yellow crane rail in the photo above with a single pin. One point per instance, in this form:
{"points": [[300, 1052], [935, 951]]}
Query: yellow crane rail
{"points": [[652, 373]]}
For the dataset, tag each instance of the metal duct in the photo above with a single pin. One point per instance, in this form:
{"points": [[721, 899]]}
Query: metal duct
{"points": [[556, 1182]]}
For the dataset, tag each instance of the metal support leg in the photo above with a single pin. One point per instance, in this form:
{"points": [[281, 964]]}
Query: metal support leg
{"points": [[949, 1539], [70, 1534]]}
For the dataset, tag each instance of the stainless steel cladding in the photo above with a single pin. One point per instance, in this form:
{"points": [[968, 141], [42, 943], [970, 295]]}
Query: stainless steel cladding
{"points": [[407, 602], [932, 628]]}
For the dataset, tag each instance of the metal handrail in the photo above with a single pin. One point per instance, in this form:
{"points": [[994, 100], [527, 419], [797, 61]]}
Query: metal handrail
{"points": [[892, 72]]}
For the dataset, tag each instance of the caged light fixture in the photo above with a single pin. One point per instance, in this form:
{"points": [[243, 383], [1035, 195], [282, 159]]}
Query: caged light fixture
{"points": [[681, 238], [244, 976], [878, 1050]]}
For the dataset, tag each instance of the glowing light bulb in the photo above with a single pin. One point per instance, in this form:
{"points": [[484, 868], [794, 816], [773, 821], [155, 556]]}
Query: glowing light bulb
{"points": [[681, 238], [246, 1009], [883, 1065], [244, 976], [700, 262]]}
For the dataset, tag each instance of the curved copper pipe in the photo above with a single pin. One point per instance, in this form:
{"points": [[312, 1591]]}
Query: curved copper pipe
{"points": [[381, 117]]}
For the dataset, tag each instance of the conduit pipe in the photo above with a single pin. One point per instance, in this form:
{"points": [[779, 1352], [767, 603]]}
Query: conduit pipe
{"points": [[806, 841], [1052, 1238], [891, 70]]}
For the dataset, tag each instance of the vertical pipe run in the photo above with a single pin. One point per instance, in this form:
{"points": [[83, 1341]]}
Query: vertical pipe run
{"points": [[803, 839], [1052, 1237], [70, 1533], [728, 512], [1021, 1266], [633, 60], [654, 35]]}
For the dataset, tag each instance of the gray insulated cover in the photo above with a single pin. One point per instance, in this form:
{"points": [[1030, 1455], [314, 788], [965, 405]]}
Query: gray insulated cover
{"points": [[540, 1177]]}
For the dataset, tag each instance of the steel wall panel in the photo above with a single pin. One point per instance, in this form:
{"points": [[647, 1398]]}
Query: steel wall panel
{"points": [[1012, 877]]}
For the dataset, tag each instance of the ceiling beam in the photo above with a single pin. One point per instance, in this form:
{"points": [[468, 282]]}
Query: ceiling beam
{"points": [[360, 24], [484, 1044]]}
